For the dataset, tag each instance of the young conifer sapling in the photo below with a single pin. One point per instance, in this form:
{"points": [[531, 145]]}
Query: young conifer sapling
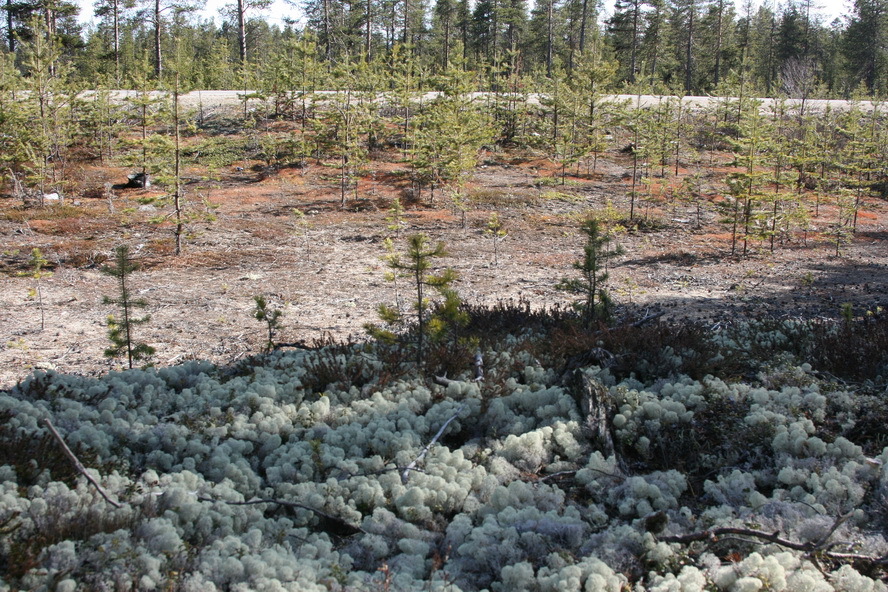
{"points": [[38, 262], [416, 264], [595, 303], [120, 330], [270, 316]]}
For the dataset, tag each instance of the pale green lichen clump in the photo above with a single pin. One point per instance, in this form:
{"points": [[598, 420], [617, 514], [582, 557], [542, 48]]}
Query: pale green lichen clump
{"points": [[511, 497]]}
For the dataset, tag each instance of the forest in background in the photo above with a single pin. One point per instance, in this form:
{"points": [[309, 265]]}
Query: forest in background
{"points": [[688, 47]]}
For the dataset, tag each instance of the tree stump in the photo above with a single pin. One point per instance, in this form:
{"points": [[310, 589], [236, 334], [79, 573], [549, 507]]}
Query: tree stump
{"points": [[598, 407]]}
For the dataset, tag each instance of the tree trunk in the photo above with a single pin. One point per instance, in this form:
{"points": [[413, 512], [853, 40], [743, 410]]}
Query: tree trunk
{"points": [[689, 49], [633, 57], [158, 62], [445, 59], [368, 29], [549, 36], [718, 41], [177, 196], [328, 50], [241, 31], [116, 24], [597, 407], [10, 29], [584, 15]]}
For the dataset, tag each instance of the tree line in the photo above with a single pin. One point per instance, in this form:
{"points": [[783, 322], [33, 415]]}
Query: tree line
{"points": [[679, 46]]}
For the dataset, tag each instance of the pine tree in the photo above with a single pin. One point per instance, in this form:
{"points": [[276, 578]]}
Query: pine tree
{"points": [[113, 15], [416, 264], [450, 132], [595, 304], [339, 133], [496, 230], [49, 105], [444, 31], [121, 330], [746, 186], [13, 117], [159, 11], [102, 123], [55, 20], [865, 43], [624, 30], [147, 150], [685, 25], [590, 79], [240, 16]]}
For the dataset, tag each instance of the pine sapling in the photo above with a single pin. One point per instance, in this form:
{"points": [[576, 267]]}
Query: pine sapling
{"points": [[395, 217], [120, 330], [37, 262], [302, 227], [270, 316], [416, 264], [595, 303], [497, 232]]}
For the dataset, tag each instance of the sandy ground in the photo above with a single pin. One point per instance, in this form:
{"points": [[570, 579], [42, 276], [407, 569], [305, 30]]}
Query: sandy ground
{"points": [[326, 271]]}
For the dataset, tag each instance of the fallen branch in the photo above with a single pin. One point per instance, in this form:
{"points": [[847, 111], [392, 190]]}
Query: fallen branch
{"points": [[78, 465], [443, 380], [647, 319], [714, 534], [406, 474], [557, 475], [814, 549], [332, 522], [347, 475], [479, 373]]}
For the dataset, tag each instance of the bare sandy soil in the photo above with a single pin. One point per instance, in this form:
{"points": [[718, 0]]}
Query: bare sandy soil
{"points": [[327, 274]]}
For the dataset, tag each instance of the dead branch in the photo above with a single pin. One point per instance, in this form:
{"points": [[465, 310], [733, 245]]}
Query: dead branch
{"points": [[647, 319], [406, 474], [334, 523], [714, 534], [840, 520], [814, 549], [347, 475], [557, 475], [443, 380], [78, 465]]}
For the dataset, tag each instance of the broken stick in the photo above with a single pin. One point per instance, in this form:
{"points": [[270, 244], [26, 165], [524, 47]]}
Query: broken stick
{"points": [[78, 465]]}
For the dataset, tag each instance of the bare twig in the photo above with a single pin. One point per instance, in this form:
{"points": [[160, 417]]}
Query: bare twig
{"points": [[78, 465], [557, 475], [406, 474], [840, 520]]}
